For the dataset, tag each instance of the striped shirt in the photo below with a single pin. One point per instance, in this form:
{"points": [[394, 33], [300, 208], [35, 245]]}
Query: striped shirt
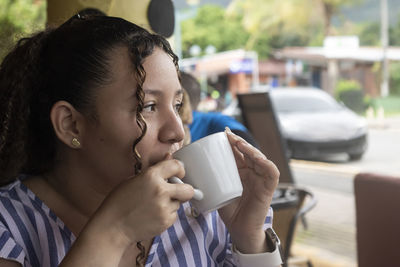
{"points": [[31, 234]]}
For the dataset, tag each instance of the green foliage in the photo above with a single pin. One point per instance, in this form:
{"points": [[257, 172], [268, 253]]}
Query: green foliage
{"points": [[391, 104], [212, 26], [394, 78], [266, 42], [345, 86], [350, 93], [262, 45], [394, 34], [226, 31], [370, 34], [19, 18]]}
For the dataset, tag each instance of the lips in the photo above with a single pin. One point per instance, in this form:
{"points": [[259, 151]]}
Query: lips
{"points": [[162, 156]]}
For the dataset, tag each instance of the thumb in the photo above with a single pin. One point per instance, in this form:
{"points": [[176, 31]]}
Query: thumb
{"points": [[168, 155]]}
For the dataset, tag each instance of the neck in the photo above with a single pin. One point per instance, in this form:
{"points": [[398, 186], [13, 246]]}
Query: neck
{"points": [[78, 189], [73, 194]]}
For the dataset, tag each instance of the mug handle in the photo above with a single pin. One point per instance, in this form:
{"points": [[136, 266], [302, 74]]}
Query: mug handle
{"points": [[198, 195]]}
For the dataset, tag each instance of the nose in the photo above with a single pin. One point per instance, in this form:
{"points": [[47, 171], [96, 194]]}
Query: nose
{"points": [[172, 129]]}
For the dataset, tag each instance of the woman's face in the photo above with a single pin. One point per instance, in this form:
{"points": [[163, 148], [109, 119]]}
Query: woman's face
{"points": [[108, 142]]}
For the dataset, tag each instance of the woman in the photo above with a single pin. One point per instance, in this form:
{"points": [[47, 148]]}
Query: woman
{"points": [[89, 119]]}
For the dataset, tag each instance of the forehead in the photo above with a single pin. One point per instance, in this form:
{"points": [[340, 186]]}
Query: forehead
{"points": [[161, 76], [158, 64], [161, 72]]}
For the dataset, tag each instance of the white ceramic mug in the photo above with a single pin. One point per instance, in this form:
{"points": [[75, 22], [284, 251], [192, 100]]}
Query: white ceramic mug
{"points": [[211, 169]]}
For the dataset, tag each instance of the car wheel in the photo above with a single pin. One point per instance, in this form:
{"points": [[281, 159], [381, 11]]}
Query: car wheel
{"points": [[357, 156]]}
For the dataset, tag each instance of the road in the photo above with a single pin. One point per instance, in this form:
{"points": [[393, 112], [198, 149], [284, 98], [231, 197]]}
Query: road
{"points": [[332, 230], [382, 156]]}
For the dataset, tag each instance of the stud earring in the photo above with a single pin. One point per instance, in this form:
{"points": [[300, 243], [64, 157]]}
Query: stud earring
{"points": [[75, 142]]}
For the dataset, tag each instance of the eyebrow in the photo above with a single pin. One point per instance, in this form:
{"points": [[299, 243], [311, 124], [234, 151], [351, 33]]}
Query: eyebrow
{"points": [[160, 92]]}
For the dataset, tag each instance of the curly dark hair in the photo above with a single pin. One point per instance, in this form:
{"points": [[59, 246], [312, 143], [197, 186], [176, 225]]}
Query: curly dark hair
{"points": [[68, 63]]}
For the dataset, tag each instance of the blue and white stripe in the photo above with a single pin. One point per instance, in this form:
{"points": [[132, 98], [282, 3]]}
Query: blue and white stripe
{"points": [[31, 234]]}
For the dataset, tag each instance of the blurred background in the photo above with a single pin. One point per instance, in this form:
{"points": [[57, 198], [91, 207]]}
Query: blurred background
{"points": [[346, 50]]}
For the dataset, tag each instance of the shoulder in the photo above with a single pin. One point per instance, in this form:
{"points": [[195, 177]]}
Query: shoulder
{"points": [[16, 195], [28, 228], [19, 208], [13, 222], [13, 196]]}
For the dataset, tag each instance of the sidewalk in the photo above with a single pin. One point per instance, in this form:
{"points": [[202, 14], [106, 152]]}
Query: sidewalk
{"points": [[389, 123], [330, 240]]}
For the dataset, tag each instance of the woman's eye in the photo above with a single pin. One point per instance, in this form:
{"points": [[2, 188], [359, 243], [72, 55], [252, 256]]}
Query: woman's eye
{"points": [[178, 107], [149, 107]]}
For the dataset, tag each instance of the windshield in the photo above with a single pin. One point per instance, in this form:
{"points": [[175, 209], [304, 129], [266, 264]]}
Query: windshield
{"points": [[307, 102]]}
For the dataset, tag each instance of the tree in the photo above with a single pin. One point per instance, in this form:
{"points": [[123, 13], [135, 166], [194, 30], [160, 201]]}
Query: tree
{"points": [[370, 34], [394, 34], [332, 8], [274, 18], [289, 17], [19, 18], [212, 26]]}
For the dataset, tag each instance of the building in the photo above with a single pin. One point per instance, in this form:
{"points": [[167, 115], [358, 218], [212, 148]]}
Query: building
{"points": [[236, 71], [341, 57]]}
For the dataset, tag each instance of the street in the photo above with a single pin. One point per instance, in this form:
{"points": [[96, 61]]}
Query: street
{"points": [[332, 231]]}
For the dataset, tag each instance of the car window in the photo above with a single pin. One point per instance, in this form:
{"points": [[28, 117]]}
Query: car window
{"points": [[305, 102]]}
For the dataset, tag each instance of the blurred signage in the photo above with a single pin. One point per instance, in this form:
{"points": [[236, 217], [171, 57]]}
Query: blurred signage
{"points": [[242, 65], [342, 42]]}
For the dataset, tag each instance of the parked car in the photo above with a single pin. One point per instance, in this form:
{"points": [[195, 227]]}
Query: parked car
{"points": [[314, 124]]}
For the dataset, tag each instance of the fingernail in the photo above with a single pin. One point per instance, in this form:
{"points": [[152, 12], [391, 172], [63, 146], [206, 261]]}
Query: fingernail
{"points": [[227, 130]]}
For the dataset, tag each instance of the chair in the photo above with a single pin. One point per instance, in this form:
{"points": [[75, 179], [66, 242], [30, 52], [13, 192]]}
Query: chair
{"points": [[290, 203], [377, 200], [259, 117]]}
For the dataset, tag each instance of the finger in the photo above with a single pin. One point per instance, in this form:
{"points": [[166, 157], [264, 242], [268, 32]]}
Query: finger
{"points": [[236, 140], [266, 168], [250, 151], [168, 155], [168, 168], [249, 161], [181, 192], [239, 157], [240, 162], [233, 138], [198, 195]]}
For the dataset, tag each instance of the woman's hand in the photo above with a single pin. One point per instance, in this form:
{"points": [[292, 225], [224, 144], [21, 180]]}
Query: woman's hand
{"points": [[145, 205], [138, 209], [245, 217]]}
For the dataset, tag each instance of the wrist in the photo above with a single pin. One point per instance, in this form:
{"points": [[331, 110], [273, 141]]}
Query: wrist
{"points": [[268, 242], [107, 232], [252, 244]]}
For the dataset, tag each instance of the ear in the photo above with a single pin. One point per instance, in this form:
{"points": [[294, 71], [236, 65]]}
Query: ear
{"points": [[67, 123]]}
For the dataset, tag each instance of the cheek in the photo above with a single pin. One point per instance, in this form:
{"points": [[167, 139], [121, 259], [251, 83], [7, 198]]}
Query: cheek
{"points": [[144, 145]]}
